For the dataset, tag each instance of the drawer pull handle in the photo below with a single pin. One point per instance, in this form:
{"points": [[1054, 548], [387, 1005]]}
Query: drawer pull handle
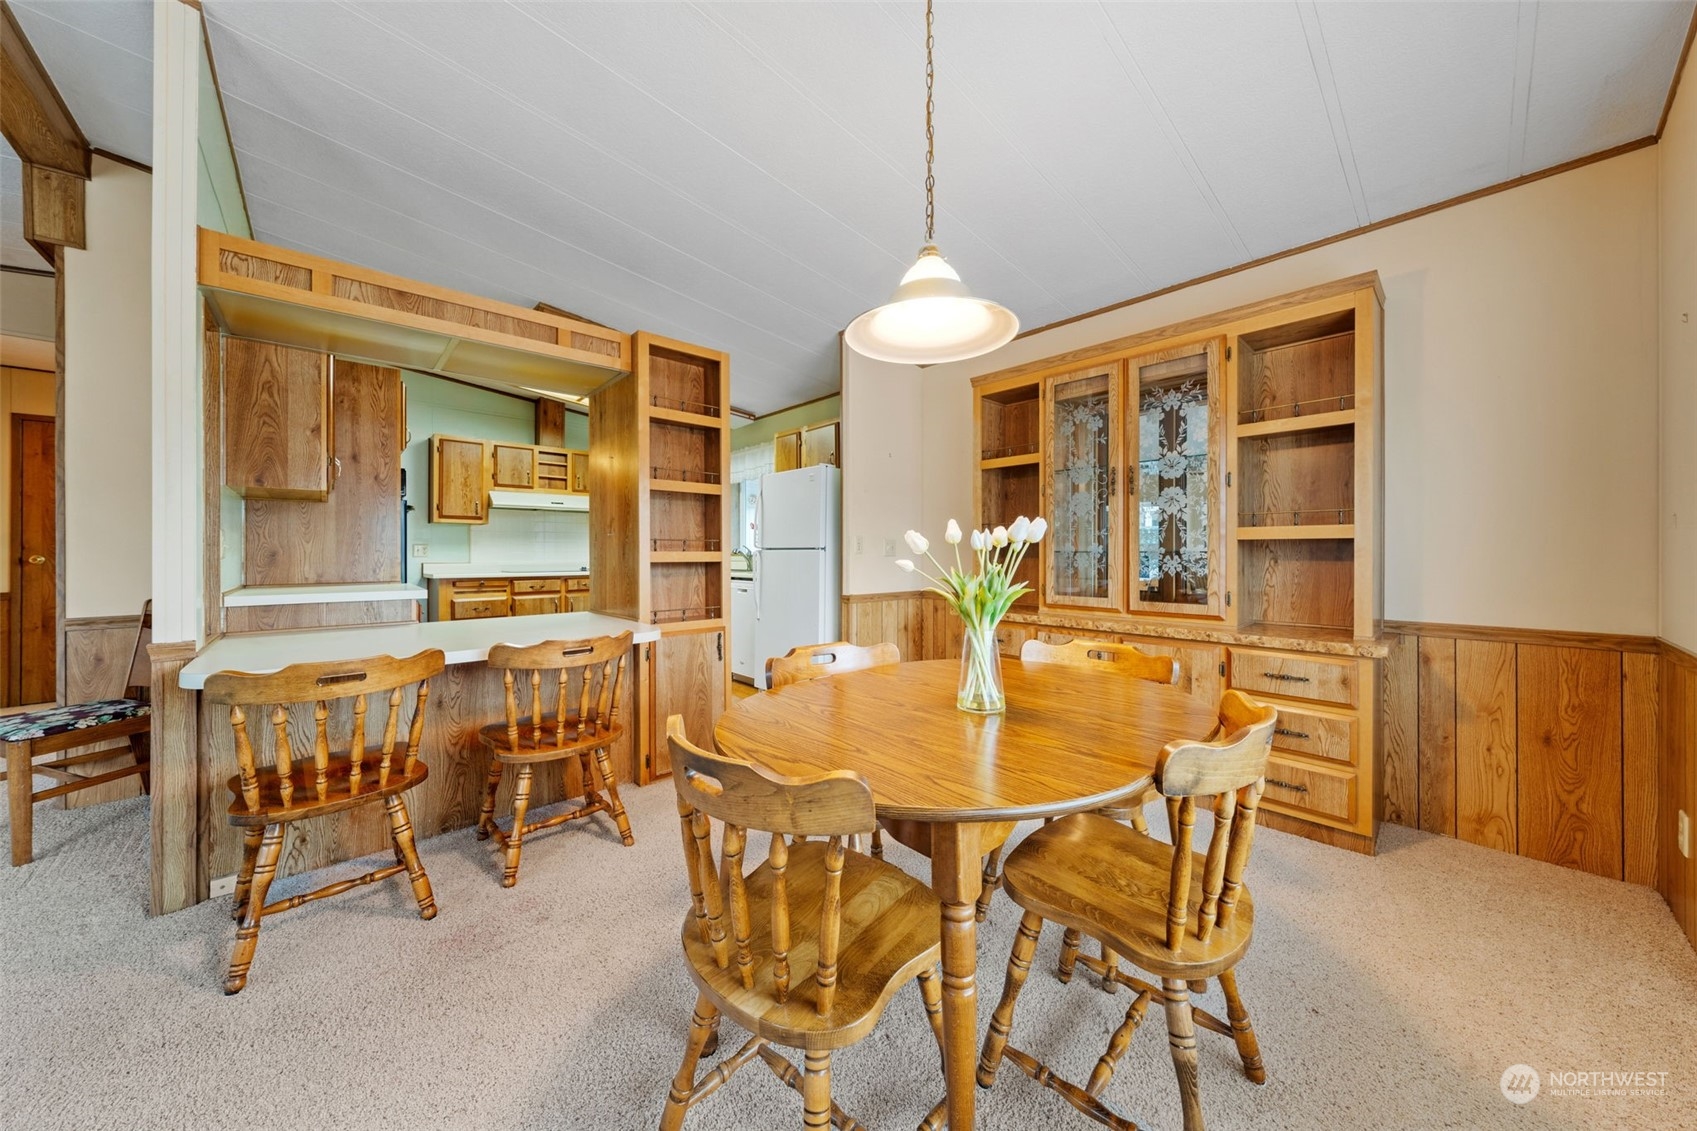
{"points": [[1290, 733], [1288, 678], [1292, 786]]}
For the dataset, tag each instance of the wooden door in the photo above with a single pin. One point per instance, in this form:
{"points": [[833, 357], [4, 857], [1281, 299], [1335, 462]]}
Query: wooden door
{"points": [[819, 445], [1081, 495], [513, 466], [277, 430], [786, 451], [1174, 441], [691, 678], [34, 639], [457, 480]]}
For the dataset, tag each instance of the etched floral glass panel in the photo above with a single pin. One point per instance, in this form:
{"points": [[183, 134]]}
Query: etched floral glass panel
{"points": [[1080, 471], [1175, 520]]}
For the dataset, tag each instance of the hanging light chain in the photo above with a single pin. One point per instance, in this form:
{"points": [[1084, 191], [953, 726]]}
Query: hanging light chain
{"points": [[930, 130]]}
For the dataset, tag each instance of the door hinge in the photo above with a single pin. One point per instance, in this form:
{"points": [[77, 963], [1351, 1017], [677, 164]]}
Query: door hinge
{"points": [[719, 638], [1228, 598], [1222, 667], [1228, 353], [1228, 479]]}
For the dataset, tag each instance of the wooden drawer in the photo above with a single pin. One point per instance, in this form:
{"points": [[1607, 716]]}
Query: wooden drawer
{"points": [[475, 608], [1315, 734], [535, 585], [1308, 790], [1295, 676], [577, 585], [476, 585], [536, 605]]}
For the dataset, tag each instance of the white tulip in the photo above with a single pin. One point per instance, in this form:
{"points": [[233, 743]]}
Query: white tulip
{"points": [[952, 534], [916, 542], [1020, 531], [999, 537], [904, 565], [1039, 527], [978, 540]]}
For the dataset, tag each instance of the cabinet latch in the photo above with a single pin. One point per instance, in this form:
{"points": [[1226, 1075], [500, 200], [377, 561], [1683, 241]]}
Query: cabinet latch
{"points": [[1228, 353], [1222, 667], [1228, 479], [1228, 598]]}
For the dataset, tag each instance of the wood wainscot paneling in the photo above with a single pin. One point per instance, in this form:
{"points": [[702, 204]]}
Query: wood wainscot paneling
{"points": [[275, 618], [1676, 873], [1543, 744], [98, 651], [177, 881], [898, 618]]}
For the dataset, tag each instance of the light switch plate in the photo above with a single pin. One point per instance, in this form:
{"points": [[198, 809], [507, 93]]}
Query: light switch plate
{"points": [[420, 549], [223, 885], [889, 547], [1685, 834]]}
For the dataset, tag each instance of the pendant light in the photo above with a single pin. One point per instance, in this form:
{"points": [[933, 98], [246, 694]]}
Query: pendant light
{"points": [[932, 317]]}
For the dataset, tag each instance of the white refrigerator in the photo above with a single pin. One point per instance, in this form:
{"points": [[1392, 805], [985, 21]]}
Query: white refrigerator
{"points": [[798, 572]]}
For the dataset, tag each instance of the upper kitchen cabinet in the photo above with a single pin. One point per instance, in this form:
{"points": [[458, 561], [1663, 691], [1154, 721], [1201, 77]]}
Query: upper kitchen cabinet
{"points": [[277, 429], [458, 480], [1081, 488], [513, 466], [806, 447]]}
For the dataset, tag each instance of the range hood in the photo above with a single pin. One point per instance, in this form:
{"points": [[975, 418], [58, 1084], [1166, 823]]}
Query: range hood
{"points": [[537, 501]]}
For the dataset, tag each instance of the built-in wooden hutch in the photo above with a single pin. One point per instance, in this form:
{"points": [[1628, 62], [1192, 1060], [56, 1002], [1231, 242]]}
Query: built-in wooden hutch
{"points": [[1214, 491]]}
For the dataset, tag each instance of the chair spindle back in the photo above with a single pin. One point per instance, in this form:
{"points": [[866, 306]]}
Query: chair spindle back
{"points": [[587, 678], [1232, 769], [815, 661], [744, 796], [321, 684], [1123, 658]]}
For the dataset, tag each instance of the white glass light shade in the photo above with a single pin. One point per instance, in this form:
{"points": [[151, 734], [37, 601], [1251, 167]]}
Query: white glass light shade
{"points": [[932, 318]]}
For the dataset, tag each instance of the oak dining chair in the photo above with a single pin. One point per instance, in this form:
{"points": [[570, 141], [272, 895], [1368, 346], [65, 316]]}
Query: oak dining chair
{"points": [[308, 779], [585, 681], [817, 661], [1183, 917], [54, 730], [804, 951]]}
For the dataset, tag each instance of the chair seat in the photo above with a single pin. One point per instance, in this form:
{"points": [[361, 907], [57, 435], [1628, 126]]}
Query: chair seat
{"points": [[889, 933], [72, 716], [1111, 882], [537, 746], [306, 802]]}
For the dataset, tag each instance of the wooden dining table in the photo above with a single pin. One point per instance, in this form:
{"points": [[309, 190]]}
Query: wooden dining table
{"points": [[1071, 739]]}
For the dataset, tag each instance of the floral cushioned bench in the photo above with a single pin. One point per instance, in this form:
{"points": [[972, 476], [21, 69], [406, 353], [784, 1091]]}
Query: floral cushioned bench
{"points": [[72, 716]]}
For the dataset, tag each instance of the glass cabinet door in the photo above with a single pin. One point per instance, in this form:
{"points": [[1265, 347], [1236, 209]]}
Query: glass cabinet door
{"points": [[1174, 436], [1080, 496]]}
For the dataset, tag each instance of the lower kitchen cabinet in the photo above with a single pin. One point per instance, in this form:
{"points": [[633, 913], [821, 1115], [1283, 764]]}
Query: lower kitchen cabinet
{"points": [[468, 598], [690, 676]]}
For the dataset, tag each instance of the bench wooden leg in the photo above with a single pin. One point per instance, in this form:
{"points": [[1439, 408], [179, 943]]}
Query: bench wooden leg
{"points": [[20, 785]]}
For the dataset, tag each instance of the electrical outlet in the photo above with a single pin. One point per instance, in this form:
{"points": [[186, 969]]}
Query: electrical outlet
{"points": [[889, 547], [1685, 834], [421, 549], [859, 544], [223, 885]]}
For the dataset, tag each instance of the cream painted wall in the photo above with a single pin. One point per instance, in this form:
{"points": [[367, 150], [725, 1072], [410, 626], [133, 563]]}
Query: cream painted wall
{"points": [[26, 305], [1520, 387], [108, 398], [1677, 154], [884, 488]]}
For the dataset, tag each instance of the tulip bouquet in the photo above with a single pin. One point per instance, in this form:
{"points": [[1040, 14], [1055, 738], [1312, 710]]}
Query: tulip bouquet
{"points": [[982, 596]]}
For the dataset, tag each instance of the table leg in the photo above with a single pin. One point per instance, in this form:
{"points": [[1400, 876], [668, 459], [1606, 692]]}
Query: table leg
{"points": [[956, 877]]}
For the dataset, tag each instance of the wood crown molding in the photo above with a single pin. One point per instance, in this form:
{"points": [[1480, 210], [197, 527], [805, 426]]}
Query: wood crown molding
{"points": [[1680, 656], [898, 595], [33, 117], [1557, 638]]}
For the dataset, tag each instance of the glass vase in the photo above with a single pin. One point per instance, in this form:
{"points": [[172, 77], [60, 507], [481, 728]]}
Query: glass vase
{"points": [[980, 672]]}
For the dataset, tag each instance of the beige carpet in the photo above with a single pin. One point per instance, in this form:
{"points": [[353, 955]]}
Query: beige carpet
{"points": [[1388, 992]]}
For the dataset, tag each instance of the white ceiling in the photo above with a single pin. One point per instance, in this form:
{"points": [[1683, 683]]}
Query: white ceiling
{"points": [[747, 175], [99, 54]]}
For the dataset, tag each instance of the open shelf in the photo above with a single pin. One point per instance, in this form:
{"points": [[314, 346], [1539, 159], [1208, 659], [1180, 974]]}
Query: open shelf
{"points": [[683, 522], [1009, 491], [685, 590], [1297, 370], [1303, 582], [1297, 478], [1309, 423], [1030, 459], [683, 383], [1009, 422], [683, 453], [1271, 533], [684, 486]]}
